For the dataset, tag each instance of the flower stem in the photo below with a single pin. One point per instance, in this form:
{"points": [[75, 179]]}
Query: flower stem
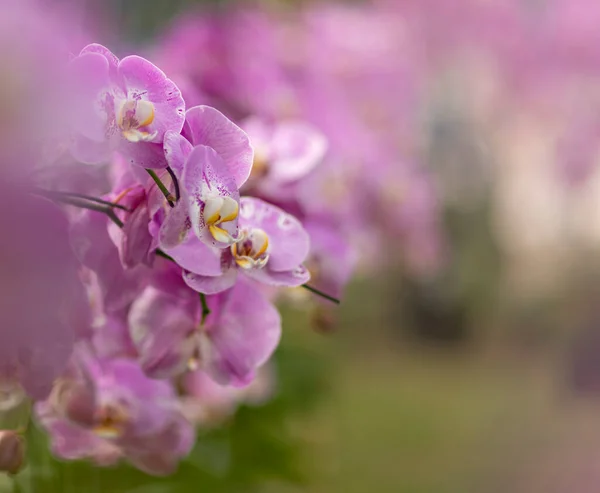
{"points": [[105, 209], [54, 193], [175, 183], [162, 187], [205, 309], [113, 217], [162, 254], [99, 205], [321, 294]]}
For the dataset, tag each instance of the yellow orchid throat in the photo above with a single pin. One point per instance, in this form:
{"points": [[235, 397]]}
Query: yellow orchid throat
{"points": [[217, 211], [134, 115], [110, 421], [251, 250]]}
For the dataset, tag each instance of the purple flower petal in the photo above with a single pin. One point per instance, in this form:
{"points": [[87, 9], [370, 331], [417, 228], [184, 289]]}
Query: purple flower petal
{"points": [[135, 247], [111, 58], [289, 150], [177, 149], [244, 336], [121, 413], [143, 154], [145, 81], [210, 284], [160, 325], [289, 243], [288, 278], [122, 381], [209, 127], [112, 338], [197, 257], [175, 227], [297, 149], [95, 249], [331, 257], [72, 442], [90, 81], [159, 454]]}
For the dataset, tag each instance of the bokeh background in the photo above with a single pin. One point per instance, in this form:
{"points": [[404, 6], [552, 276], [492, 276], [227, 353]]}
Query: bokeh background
{"points": [[465, 356]]}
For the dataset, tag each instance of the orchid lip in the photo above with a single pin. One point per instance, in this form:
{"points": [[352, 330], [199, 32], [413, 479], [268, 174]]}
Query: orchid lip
{"points": [[250, 263], [107, 432], [217, 211], [111, 422], [221, 235], [134, 115], [135, 135], [251, 251]]}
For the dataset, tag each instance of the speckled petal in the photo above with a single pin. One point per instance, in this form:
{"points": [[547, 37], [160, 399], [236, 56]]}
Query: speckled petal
{"points": [[209, 127], [210, 284], [177, 149], [289, 243], [143, 79]]}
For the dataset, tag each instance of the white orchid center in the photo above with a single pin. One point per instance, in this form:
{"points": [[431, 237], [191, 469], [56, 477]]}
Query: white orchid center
{"points": [[250, 252], [133, 116], [217, 211]]}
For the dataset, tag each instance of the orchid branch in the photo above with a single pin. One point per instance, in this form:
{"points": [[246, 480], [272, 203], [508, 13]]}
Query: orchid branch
{"points": [[205, 309], [82, 204], [162, 254], [105, 207], [162, 187], [175, 183], [321, 293], [55, 193]]}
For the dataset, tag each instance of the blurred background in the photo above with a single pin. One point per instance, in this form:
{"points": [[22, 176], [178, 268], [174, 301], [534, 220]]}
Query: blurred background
{"points": [[465, 356]]}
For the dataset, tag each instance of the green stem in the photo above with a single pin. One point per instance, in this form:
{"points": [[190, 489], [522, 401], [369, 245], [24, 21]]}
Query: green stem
{"points": [[162, 187], [162, 254], [321, 294], [205, 309], [70, 199], [113, 217], [104, 209], [175, 183], [57, 194]]}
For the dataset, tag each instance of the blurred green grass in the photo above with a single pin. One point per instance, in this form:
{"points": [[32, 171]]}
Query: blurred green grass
{"points": [[456, 419]]}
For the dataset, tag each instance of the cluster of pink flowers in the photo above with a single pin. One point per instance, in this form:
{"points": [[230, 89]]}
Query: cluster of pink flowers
{"points": [[278, 70], [149, 239], [180, 262], [154, 215]]}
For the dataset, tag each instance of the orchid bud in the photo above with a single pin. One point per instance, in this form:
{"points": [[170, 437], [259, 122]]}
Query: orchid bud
{"points": [[12, 451]]}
